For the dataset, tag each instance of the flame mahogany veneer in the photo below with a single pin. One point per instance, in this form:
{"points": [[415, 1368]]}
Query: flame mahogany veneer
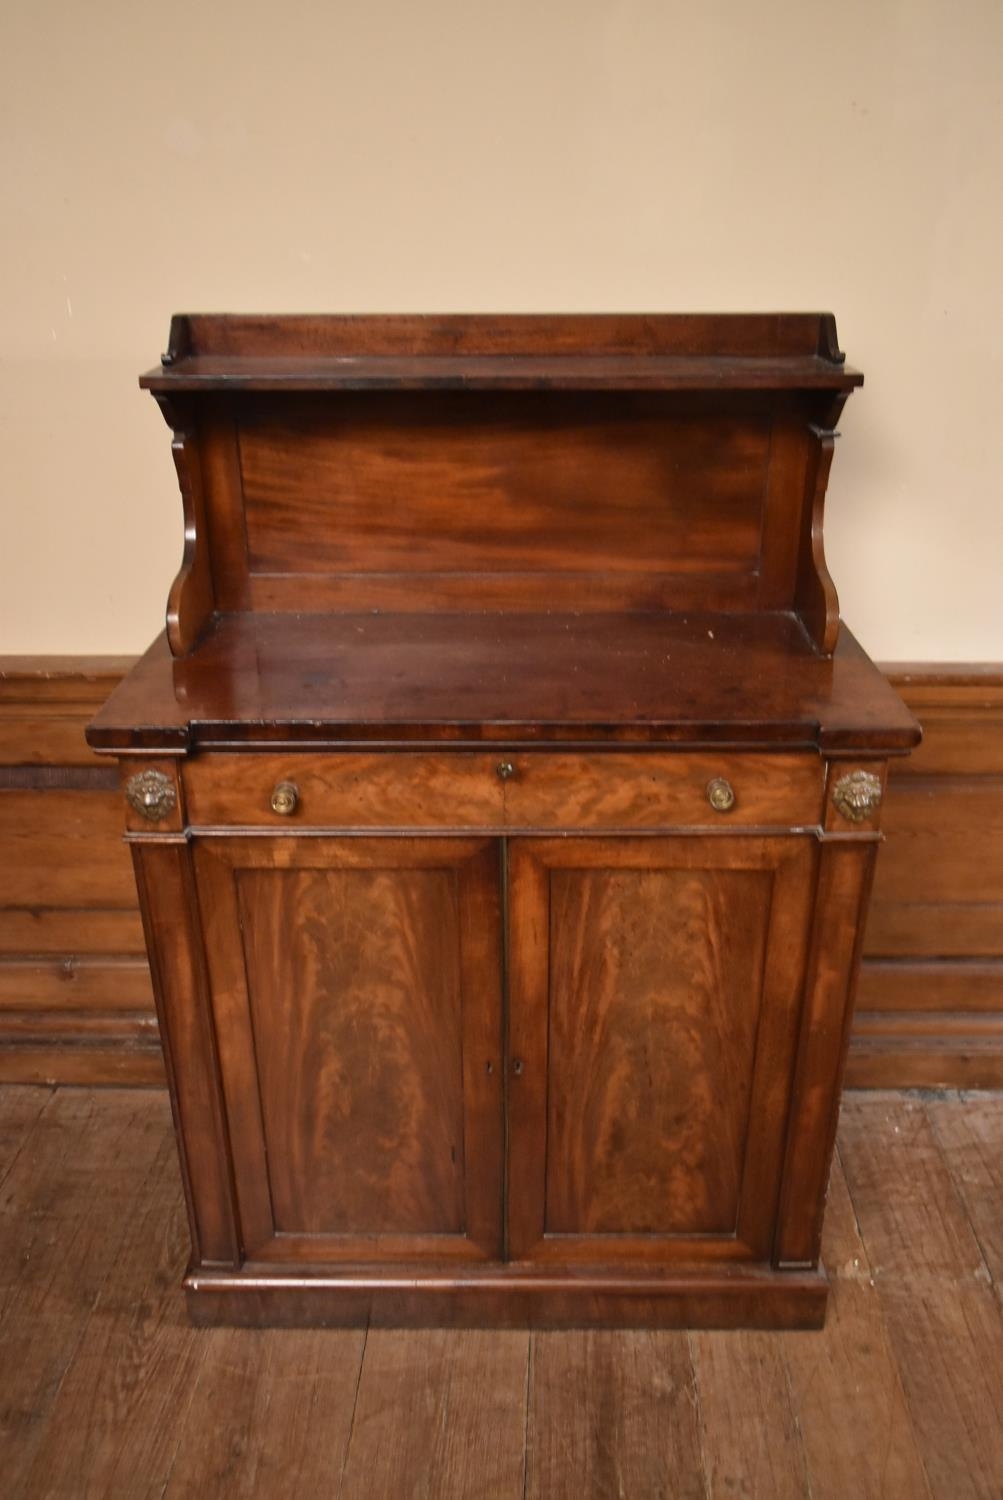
{"points": [[504, 796]]}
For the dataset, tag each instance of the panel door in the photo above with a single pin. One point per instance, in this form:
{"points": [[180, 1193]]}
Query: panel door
{"points": [[356, 996], [655, 989]]}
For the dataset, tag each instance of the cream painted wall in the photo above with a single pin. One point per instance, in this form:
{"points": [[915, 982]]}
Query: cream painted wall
{"points": [[531, 155]]}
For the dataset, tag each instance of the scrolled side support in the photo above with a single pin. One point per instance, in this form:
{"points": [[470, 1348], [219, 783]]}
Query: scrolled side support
{"points": [[816, 599], [191, 601]]}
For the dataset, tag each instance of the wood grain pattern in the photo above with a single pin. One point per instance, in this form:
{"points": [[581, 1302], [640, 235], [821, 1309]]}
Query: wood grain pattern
{"points": [[67, 1055], [288, 1402], [67, 934], [222, 489], [781, 351], [347, 790], [212, 374], [944, 1320], [651, 790], [470, 677], [461, 789], [748, 1427], [646, 1125], [166, 882], [933, 930], [450, 1295], [518, 592], [19, 1112], [889, 1400], [655, 995], [613, 1414], [931, 991], [427, 1403], [48, 1176], [932, 987], [70, 1058], [75, 997], [359, 1025], [536, 485], [845, 871], [95, 984], [46, 702], [137, 1361], [970, 1137], [63, 1215], [634, 451], [370, 1045], [939, 959], [815, 593], [63, 849], [857, 1435], [191, 600], [783, 499], [339, 336], [933, 827], [31, 738]]}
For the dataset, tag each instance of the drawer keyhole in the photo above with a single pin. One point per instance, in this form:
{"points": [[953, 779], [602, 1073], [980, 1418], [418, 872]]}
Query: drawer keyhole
{"points": [[505, 769]]}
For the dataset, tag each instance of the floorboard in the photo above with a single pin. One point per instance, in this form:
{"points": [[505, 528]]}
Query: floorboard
{"points": [[106, 1391], [19, 1110], [270, 1415], [116, 1420], [969, 1132], [943, 1318], [846, 1391], [66, 1205], [613, 1414], [440, 1413], [750, 1437]]}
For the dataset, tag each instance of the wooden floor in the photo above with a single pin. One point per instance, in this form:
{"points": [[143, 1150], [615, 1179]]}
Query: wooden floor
{"points": [[105, 1390]]}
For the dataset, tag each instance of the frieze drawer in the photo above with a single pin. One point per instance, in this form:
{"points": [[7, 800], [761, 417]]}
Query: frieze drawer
{"points": [[517, 790]]}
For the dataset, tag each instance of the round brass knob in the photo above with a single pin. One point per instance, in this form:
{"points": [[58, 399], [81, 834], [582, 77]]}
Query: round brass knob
{"points": [[285, 797], [721, 794], [505, 769]]}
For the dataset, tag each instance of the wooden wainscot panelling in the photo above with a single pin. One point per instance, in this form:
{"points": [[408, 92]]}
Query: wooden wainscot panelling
{"points": [[76, 1005], [75, 997], [930, 998]]}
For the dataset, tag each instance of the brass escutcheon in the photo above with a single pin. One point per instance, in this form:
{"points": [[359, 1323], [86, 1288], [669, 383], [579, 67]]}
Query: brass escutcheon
{"points": [[284, 798], [720, 794], [505, 769]]}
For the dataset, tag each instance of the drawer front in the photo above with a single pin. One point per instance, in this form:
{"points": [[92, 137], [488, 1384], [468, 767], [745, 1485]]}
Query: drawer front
{"points": [[519, 790], [347, 790], [709, 789]]}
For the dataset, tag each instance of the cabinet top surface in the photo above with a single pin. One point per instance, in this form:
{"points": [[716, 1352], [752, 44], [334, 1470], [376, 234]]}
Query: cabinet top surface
{"points": [[380, 678]]}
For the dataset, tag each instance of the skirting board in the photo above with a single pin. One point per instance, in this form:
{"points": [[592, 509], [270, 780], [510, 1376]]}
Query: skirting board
{"points": [[75, 998]]}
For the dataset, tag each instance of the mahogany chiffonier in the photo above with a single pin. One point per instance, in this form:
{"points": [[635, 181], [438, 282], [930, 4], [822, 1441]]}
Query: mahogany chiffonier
{"points": [[504, 796]]}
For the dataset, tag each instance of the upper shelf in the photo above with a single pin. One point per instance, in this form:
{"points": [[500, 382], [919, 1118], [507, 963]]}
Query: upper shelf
{"points": [[483, 372], [611, 352], [422, 464]]}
